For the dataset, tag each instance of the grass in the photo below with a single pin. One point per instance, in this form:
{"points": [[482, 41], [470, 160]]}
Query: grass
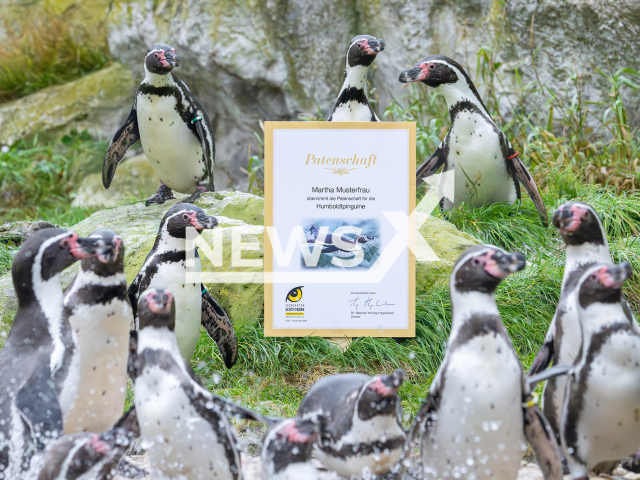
{"points": [[45, 51]]}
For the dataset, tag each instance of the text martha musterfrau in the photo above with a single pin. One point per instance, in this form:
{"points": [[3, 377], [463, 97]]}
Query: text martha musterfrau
{"points": [[339, 198]]}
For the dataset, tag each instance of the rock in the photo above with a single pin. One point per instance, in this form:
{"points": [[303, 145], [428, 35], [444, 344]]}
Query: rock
{"points": [[17, 232], [237, 283], [94, 102], [134, 180]]}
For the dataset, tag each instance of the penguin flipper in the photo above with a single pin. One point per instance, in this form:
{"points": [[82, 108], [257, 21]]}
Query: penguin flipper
{"points": [[524, 177], [424, 420], [544, 356], [132, 361], [124, 138], [133, 293], [38, 405], [543, 441], [431, 165], [218, 326], [330, 249], [555, 371]]}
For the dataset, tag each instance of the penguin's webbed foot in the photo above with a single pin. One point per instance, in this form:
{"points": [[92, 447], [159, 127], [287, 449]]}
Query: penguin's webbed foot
{"points": [[195, 195], [163, 194]]}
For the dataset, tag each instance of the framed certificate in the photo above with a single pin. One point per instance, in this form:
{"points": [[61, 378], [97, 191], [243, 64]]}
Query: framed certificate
{"points": [[338, 200]]}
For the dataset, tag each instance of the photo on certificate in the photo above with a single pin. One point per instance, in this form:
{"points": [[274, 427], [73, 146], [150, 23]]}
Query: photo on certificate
{"points": [[338, 200]]}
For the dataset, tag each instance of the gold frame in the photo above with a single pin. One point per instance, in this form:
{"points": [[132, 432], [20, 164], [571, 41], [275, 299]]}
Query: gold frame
{"points": [[269, 331]]}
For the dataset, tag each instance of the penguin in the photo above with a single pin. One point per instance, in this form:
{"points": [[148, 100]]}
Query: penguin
{"points": [[352, 104], [487, 167], [89, 455], [586, 245], [347, 248], [601, 415], [363, 433], [100, 315], [165, 266], [34, 362], [184, 427], [474, 422], [173, 128], [287, 448]]}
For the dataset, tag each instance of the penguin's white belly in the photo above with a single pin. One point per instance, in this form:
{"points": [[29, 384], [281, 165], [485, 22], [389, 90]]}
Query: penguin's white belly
{"points": [[351, 111], [481, 175], [188, 299], [179, 441], [379, 428], [479, 426], [174, 152], [102, 333], [609, 423]]}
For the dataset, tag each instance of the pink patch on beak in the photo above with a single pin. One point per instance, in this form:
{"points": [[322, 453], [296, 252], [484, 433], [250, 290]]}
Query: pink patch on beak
{"points": [[606, 280], [292, 434], [75, 249], [491, 267], [156, 307], [163, 61], [98, 445], [579, 213], [381, 389], [195, 222], [424, 72]]}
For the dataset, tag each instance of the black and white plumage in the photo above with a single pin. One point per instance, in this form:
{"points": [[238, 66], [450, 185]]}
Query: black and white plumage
{"points": [[487, 167], [100, 316], [184, 427], [287, 448], [173, 128], [352, 104], [344, 247], [363, 432], [165, 266], [478, 412], [601, 419], [586, 245], [89, 455], [34, 362]]}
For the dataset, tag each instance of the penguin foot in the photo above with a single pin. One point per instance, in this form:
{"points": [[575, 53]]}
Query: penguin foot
{"points": [[163, 194], [195, 196]]}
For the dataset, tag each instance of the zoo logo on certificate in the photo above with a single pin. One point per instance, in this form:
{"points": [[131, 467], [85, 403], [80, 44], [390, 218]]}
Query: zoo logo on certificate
{"points": [[338, 197]]}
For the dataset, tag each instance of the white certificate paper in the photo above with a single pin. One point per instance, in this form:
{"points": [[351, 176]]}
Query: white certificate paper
{"points": [[337, 202]]}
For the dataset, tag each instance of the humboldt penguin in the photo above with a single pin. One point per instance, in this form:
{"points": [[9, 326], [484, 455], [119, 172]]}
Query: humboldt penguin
{"points": [[173, 128], [352, 104], [363, 433], [344, 247], [487, 167], [478, 412], [165, 266], [89, 455], [586, 244], [184, 427], [35, 360], [287, 448], [99, 312], [601, 419]]}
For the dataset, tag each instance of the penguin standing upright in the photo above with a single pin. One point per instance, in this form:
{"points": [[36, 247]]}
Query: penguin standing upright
{"points": [[601, 416], [474, 421], [99, 312], [287, 448], [185, 425], [173, 128], [34, 362], [89, 455], [363, 432], [586, 244], [487, 167], [165, 266], [352, 104]]}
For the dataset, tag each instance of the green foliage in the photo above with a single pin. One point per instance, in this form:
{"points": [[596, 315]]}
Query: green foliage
{"points": [[36, 181], [47, 51]]}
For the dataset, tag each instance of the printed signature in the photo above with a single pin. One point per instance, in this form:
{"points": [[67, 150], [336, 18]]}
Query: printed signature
{"points": [[369, 303]]}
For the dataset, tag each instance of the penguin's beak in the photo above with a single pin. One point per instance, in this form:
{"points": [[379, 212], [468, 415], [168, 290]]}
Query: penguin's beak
{"points": [[568, 218], [203, 221], [160, 301], [500, 264], [373, 47], [613, 276], [109, 253], [81, 247], [388, 385], [172, 59]]}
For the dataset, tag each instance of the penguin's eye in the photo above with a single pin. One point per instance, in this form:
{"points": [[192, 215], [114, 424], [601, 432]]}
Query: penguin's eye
{"points": [[432, 66], [475, 261], [594, 276], [64, 243], [185, 216]]}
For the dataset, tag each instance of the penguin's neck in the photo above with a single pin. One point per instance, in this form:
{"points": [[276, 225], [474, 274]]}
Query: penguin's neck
{"points": [[586, 253], [356, 78], [156, 80], [89, 277], [466, 305], [459, 92], [168, 243], [158, 339]]}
